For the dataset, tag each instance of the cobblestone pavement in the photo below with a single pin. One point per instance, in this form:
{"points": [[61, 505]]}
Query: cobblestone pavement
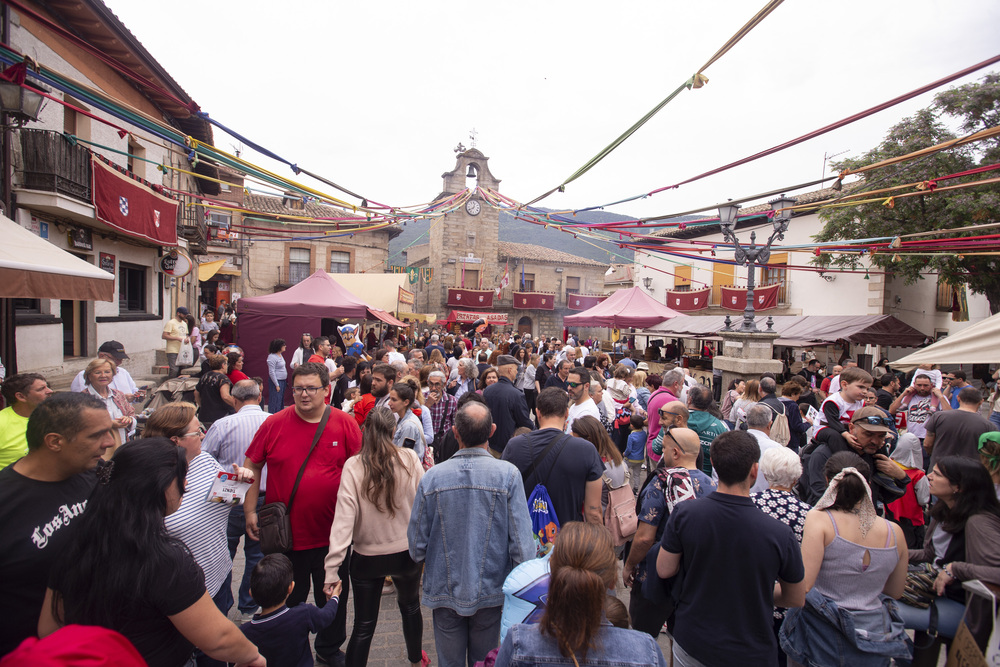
{"points": [[388, 648]]}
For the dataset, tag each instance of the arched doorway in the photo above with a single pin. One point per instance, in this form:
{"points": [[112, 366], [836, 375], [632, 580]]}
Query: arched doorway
{"points": [[524, 325]]}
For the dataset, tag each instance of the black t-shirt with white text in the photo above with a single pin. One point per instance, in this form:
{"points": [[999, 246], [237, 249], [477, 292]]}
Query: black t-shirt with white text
{"points": [[36, 520]]}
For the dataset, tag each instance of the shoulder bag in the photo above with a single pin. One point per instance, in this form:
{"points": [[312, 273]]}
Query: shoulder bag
{"points": [[274, 519]]}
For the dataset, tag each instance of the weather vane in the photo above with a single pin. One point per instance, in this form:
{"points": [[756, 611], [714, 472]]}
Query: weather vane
{"points": [[472, 135]]}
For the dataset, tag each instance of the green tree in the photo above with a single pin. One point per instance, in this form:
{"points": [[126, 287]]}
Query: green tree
{"points": [[970, 108]]}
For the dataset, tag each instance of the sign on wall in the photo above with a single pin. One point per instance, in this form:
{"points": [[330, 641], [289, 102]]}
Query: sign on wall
{"points": [[176, 263], [107, 262]]}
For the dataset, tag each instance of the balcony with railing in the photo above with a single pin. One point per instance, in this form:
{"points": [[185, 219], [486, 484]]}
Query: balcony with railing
{"points": [[191, 225], [50, 163]]}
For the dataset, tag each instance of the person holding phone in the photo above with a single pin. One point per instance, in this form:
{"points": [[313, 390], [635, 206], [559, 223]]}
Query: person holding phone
{"points": [[409, 429]]}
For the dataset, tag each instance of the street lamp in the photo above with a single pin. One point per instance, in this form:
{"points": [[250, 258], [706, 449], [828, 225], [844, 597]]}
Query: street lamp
{"points": [[648, 282], [19, 102], [754, 254]]}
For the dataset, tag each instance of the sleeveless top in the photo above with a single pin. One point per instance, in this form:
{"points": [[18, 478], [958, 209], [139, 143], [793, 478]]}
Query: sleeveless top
{"points": [[845, 579]]}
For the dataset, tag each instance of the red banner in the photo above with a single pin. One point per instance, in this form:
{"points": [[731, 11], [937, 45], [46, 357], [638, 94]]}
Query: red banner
{"points": [[132, 208], [685, 302], [469, 317], [470, 298], [583, 301], [534, 301], [765, 297], [405, 298]]}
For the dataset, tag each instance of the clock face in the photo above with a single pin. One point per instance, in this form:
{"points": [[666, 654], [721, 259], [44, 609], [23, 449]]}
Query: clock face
{"points": [[473, 207]]}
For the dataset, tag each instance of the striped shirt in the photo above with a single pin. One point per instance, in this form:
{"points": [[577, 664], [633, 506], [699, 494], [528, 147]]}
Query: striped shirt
{"points": [[228, 438], [201, 525]]}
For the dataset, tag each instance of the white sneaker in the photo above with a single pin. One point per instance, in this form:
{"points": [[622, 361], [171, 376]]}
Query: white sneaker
{"points": [[246, 617]]}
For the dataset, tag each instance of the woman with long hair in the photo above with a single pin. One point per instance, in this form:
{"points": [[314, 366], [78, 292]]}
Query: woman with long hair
{"points": [[854, 563], [616, 473], [642, 390], [376, 495], [199, 523], [749, 398], [604, 365], [734, 391], [573, 629], [486, 378], [962, 542], [302, 352], [123, 571], [409, 432], [98, 376]]}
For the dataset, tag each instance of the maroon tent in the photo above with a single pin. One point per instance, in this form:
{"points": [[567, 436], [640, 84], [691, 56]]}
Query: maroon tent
{"points": [[626, 308], [317, 305]]}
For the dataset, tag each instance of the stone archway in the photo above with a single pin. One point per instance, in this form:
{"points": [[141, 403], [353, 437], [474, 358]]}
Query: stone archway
{"points": [[524, 325]]}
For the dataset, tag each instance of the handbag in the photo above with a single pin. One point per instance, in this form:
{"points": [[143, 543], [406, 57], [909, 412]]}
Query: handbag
{"points": [[274, 519]]}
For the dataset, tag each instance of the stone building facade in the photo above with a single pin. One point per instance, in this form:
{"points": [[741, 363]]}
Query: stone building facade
{"points": [[465, 251]]}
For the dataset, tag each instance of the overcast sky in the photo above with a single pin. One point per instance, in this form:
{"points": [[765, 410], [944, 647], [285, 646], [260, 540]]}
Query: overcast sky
{"points": [[375, 95]]}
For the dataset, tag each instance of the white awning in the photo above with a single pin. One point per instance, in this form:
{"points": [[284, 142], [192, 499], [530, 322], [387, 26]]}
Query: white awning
{"points": [[33, 268]]}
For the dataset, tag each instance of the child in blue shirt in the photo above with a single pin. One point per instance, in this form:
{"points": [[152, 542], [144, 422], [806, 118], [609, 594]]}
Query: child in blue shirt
{"points": [[635, 450], [282, 633]]}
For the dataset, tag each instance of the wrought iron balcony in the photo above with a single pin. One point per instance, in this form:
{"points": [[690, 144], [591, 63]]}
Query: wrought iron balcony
{"points": [[52, 164]]}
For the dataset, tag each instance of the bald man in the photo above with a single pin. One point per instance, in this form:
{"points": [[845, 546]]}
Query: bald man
{"points": [[672, 415], [681, 447]]}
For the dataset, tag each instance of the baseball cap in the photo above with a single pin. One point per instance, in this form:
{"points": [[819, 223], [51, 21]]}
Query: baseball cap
{"points": [[506, 360], [872, 419], [114, 348], [183, 311]]}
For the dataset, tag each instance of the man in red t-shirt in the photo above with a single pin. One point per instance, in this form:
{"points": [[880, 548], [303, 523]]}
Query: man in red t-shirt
{"points": [[283, 443]]}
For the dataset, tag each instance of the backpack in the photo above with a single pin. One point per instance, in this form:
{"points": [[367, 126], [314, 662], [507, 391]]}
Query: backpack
{"points": [[780, 432], [620, 516], [544, 521]]}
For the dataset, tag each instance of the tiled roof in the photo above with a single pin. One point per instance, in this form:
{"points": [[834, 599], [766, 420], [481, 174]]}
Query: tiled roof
{"points": [[536, 253], [272, 205]]}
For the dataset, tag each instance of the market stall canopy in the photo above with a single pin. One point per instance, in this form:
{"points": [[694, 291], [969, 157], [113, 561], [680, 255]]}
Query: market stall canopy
{"points": [[317, 305], [977, 344], [804, 331], [381, 290], [626, 308], [209, 269], [33, 268]]}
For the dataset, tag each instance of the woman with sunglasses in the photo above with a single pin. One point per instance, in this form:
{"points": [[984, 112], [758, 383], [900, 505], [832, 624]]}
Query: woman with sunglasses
{"points": [[123, 571], [962, 543], [199, 523]]}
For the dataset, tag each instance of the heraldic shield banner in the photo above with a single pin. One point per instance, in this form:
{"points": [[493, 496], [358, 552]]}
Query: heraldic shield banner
{"points": [[470, 298], [686, 302]]}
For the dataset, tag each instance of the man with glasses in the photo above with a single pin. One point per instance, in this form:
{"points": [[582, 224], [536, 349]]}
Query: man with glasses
{"points": [[441, 404], [580, 402], [283, 443]]}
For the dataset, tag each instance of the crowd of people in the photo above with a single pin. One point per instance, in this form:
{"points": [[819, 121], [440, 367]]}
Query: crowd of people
{"points": [[820, 520]]}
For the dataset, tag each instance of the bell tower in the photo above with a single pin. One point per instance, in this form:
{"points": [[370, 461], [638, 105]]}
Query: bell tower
{"points": [[467, 237]]}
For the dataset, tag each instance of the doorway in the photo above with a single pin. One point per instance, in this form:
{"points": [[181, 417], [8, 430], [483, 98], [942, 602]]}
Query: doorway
{"points": [[74, 322], [524, 325]]}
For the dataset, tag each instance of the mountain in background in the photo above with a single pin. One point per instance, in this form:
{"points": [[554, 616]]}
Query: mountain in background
{"points": [[520, 231]]}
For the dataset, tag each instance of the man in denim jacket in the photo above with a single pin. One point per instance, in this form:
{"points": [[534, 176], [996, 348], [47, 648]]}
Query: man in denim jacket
{"points": [[470, 526]]}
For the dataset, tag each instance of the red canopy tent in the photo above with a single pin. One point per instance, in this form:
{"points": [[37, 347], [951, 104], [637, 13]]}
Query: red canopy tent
{"points": [[316, 306], [626, 308]]}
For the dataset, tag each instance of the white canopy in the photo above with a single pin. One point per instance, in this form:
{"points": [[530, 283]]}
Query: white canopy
{"points": [[978, 344], [33, 268]]}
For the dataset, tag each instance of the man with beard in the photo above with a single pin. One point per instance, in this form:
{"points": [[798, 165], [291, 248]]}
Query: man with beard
{"points": [[383, 377], [917, 403]]}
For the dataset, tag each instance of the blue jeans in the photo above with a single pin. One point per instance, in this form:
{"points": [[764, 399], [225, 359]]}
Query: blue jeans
{"points": [[251, 550], [995, 419], [949, 616], [276, 397], [462, 641]]}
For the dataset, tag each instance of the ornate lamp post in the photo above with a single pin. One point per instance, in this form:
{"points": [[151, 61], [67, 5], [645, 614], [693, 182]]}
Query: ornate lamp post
{"points": [[754, 254]]}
